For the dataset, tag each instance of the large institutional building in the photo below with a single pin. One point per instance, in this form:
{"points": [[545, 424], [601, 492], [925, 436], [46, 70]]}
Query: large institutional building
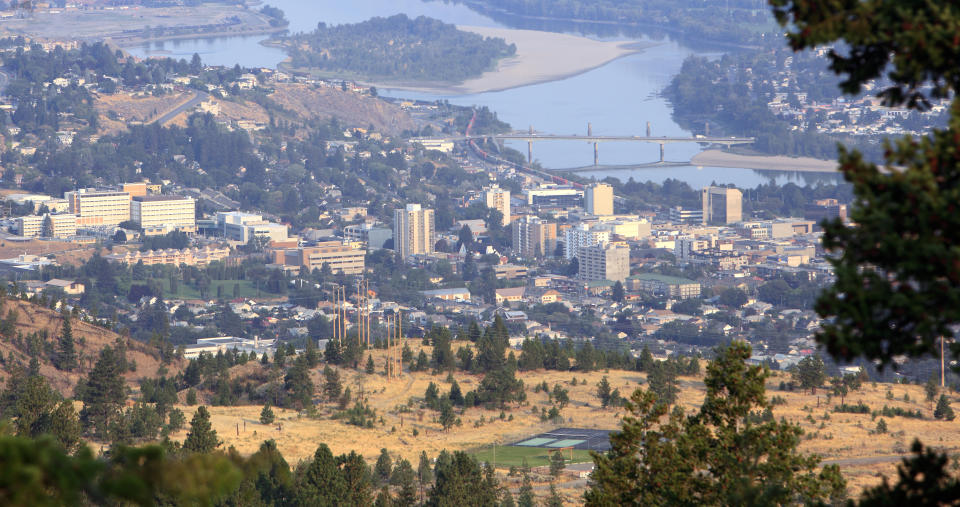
{"points": [[413, 231], [160, 214], [599, 199], [722, 205], [59, 226], [342, 258], [582, 236], [98, 207], [239, 226]]}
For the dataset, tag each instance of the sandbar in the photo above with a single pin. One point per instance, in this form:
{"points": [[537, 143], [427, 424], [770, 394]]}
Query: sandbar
{"points": [[541, 57], [719, 158]]}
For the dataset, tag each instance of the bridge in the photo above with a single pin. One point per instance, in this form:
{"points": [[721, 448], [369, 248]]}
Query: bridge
{"points": [[532, 136]]}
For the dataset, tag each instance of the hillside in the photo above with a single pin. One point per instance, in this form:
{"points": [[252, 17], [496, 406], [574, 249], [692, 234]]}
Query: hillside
{"points": [[847, 439], [349, 107], [90, 339]]}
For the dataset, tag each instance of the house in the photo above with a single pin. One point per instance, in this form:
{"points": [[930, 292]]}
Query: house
{"points": [[69, 287], [510, 295], [459, 294], [550, 296]]}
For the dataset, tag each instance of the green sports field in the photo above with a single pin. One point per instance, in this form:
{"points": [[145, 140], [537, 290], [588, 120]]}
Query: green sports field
{"points": [[512, 455]]}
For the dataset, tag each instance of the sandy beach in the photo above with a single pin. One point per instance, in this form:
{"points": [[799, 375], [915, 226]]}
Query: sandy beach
{"points": [[718, 158], [541, 57]]}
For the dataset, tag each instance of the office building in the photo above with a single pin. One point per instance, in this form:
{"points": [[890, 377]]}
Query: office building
{"points": [[605, 261], [499, 199], [97, 207], [554, 197], [825, 209], [239, 226], [679, 215], [533, 237], [160, 214], [188, 256], [340, 257], [599, 199], [50, 226], [134, 189], [583, 236], [722, 205], [413, 231], [374, 237]]}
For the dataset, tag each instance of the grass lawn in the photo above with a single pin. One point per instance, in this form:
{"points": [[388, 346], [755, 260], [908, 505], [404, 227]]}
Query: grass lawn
{"points": [[184, 291], [512, 455]]}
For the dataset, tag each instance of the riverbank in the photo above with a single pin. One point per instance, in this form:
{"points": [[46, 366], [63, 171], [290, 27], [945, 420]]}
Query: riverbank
{"points": [[541, 57], [719, 158]]}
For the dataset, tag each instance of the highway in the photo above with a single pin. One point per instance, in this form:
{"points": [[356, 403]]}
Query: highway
{"points": [[198, 97]]}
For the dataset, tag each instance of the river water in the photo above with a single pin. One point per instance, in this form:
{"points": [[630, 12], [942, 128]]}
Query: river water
{"points": [[618, 98]]}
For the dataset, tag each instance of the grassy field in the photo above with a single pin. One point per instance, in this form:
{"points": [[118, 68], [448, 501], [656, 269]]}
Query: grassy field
{"points": [[407, 429], [513, 455], [184, 291]]}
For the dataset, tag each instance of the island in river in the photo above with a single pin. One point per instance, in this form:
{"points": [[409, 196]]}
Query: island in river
{"points": [[540, 57]]}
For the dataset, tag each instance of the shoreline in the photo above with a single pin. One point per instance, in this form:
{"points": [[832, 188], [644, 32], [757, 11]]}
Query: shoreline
{"points": [[138, 41], [719, 158], [541, 57]]}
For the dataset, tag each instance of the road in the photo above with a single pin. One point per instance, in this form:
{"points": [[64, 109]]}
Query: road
{"points": [[198, 97]]}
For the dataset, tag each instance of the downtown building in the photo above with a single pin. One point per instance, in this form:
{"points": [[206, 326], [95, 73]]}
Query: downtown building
{"points": [[499, 199], [338, 256], [599, 199], [533, 237], [722, 205], [583, 236], [413, 231], [605, 261]]}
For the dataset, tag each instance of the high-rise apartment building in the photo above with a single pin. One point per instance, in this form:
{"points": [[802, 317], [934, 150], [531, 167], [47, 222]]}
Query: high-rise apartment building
{"points": [[605, 261], [722, 205], [499, 199], [413, 231], [533, 237], [583, 236], [98, 207], [159, 214], [599, 199]]}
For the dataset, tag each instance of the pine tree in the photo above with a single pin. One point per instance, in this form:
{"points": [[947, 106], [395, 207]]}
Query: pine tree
{"points": [[943, 410], [555, 499], [456, 397], [603, 392], [266, 415], [424, 472], [931, 388], [557, 463], [525, 496], [320, 482], [404, 478], [201, 438], [102, 393], [371, 368], [66, 356], [657, 459], [383, 467], [332, 385], [447, 417], [881, 426]]}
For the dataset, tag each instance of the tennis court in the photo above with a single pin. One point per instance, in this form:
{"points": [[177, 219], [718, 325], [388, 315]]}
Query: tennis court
{"points": [[577, 438]]}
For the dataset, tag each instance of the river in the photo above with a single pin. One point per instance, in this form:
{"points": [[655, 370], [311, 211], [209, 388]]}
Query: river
{"points": [[618, 98]]}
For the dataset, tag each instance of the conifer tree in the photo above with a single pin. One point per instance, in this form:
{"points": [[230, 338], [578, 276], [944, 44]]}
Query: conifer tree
{"points": [[102, 393], [525, 497], [943, 410], [266, 415], [371, 368], [201, 438], [383, 467], [66, 354]]}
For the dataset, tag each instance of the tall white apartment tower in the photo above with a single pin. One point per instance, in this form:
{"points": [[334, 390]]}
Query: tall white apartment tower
{"points": [[413, 231], [499, 199]]}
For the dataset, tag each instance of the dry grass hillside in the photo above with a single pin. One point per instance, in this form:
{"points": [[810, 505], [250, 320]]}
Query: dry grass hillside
{"points": [[351, 108], [90, 339], [849, 438], [129, 108]]}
